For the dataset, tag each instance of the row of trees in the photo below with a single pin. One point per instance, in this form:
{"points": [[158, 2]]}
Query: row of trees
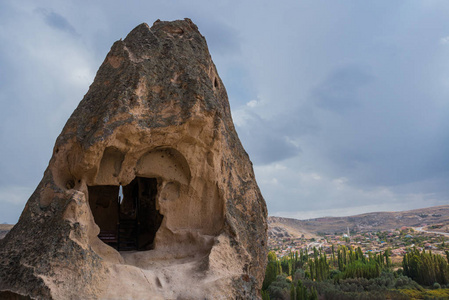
{"points": [[300, 292], [349, 262], [298, 275], [426, 268], [284, 288]]}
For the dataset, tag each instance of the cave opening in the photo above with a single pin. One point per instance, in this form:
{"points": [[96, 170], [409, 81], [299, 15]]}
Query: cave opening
{"points": [[127, 215]]}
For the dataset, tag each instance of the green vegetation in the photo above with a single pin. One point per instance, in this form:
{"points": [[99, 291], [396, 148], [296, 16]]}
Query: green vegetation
{"points": [[426, 268], [347, 273]]}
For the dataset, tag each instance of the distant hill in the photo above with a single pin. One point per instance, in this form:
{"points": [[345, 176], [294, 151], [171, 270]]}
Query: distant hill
{"points": [[377, 221], [4, 228]]}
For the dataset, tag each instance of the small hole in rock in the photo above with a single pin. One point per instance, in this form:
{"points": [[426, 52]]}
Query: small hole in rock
{"points": [[158, 282], [215, 82], [70, 184]]}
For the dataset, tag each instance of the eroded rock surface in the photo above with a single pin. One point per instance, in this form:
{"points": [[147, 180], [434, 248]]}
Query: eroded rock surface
{"points": [[154, 129]]}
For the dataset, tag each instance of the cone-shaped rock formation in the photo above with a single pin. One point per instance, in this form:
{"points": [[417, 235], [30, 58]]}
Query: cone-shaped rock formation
{"points": [[149, 193]]}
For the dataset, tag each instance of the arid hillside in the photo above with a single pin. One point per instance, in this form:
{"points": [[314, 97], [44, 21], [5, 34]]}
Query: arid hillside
{"points": [[286, 227], [4, 228], [431, 217]]}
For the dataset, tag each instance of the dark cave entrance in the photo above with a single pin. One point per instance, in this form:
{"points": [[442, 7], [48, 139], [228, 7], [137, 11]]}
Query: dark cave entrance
{"points": [[127, 215]]}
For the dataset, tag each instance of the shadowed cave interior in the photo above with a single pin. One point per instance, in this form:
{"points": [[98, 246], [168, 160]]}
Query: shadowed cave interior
{"points": [[127, 215]]}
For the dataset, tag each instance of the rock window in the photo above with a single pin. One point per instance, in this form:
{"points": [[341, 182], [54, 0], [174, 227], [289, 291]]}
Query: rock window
{"points": [[128, 216]]}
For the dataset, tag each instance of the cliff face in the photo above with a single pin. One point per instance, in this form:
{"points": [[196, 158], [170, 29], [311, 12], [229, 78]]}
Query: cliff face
{"points": [[149, 192]]}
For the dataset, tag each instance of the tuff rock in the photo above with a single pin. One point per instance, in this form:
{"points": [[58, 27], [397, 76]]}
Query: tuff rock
{"points": [[151, 143]]}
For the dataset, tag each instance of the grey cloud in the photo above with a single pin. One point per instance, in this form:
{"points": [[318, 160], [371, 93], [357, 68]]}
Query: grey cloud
{"points": [[366, 100], [221, 38], [269, 148], [237, 77], [341, 89], [263, 142], [56, 21]]}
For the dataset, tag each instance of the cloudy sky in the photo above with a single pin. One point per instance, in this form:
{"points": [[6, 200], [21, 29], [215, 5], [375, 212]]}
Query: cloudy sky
{"points": [[343, 106]]}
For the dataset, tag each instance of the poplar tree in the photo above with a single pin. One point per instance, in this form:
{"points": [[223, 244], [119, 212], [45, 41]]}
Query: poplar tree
{"points": [[425, 267]]}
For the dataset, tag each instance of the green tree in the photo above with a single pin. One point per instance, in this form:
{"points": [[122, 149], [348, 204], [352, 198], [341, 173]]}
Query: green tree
{"points": [[272, 271], [313, 294], [301, 291], [387, 255], [292, 292], [265, 295], [425, 267]]}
